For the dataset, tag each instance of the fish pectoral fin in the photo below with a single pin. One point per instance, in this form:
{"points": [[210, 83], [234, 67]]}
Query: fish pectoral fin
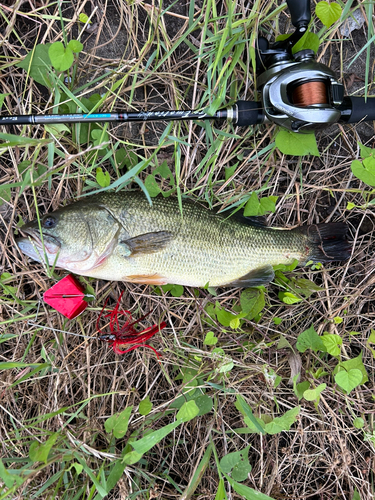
{"points": [[146, 243], [256, 277]]}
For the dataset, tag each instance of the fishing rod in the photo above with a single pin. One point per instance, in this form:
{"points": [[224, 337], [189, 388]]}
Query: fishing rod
{"points": [[297, 92]]}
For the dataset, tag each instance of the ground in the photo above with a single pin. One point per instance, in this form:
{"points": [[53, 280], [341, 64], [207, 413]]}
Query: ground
{"points": [[58, 391]]}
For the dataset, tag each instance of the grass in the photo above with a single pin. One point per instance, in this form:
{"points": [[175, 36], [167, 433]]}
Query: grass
{"points": [[176, 419]]}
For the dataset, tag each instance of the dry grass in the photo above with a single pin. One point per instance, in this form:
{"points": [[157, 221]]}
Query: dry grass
{"points": [[323, 455]]}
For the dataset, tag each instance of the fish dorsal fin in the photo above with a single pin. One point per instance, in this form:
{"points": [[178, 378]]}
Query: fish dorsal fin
{"points": [[256, 277], [256, 221], [145, 243]]}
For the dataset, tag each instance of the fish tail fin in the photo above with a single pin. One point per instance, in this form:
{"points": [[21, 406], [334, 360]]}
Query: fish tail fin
{"points": [[327, 242]]}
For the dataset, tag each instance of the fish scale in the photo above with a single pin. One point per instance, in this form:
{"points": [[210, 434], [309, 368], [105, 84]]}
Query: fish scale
{"points": [[134, 241]]}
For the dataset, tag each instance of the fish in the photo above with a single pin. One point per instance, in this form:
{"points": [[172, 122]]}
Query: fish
{"points": [[121, 237]]}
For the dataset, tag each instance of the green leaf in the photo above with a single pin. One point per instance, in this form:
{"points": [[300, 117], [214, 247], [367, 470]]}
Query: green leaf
{"points": [[99, 137], [83, 18], [235, 323], [224, 317], [226, 367], [252, 206], [164, 171], [364, 173], [188, 411], [210, 339], [283, 423], [286, 267], [175, 290], [291, 143], [308, 41], [2, 97], [38, 452], [220, 492], [366, 152], [102, 178], [348, 380], [57, 129], [118, 423], [189, 382], [78, 467], [5, 193], [132, 457], [8, 478], [36, 64], [356, 495], [332, 343], [152, 186], [252, 302], [204, 404], [354, 363], [116, 473], [146, 443], [246, 411], [75, 46], [309, 339], [246, 492], [267, 204], [307, 285], [358, 423], [289, 298], [195, 480], [229, 171], [8, 365], [350, 205], [314, 394], [255, 207], [301, 388], [145, 406], [61, 58], [237, 464], [328, 13]]}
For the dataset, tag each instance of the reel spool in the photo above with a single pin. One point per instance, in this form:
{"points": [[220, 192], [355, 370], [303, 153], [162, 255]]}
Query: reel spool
{"points": [[310, 94]]}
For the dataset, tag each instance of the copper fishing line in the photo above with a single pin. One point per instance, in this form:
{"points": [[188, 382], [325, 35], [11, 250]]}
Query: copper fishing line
{"points": [[310, 93]]}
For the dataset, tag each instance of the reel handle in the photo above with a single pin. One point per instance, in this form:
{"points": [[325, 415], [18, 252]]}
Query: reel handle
{"points": [[300, 12]]}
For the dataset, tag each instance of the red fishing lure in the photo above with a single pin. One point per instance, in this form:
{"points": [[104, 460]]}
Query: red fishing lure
{"points": [[125, 335], [67, 296]]}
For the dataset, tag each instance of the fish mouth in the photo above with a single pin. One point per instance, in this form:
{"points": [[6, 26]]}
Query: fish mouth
{"points": [[31, 244]]}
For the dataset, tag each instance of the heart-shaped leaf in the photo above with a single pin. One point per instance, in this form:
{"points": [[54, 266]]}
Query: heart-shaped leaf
{"points": [[328, 13], [61, 58], [291, 143], [348, 380]]}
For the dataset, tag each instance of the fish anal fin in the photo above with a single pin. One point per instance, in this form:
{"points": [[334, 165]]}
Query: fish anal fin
{"points": [[146, 279], [256, 277], [147, 243]]}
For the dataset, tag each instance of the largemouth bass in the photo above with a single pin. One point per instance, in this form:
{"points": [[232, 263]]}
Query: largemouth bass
{"points": [[119, 236]]}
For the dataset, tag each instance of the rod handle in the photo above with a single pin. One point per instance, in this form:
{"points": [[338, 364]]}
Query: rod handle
{"points": [[358, 109]]}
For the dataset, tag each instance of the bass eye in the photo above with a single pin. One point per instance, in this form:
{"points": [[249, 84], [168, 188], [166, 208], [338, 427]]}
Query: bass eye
{"points": [[49, 222]]}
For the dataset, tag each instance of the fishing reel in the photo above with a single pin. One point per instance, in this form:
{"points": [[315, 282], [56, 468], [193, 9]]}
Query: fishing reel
{"points": [[298, 93]]}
